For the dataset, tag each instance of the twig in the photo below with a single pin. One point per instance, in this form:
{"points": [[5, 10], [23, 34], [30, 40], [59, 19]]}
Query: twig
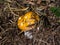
{"points": [[44, 41], [15, 9], [3, 40], [5, 31], [11, 10]]}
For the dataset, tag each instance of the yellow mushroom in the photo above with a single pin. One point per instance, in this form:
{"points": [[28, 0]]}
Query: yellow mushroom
{"points": [[27, 21]]}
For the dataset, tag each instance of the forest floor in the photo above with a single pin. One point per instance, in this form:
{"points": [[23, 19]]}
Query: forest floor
{"points": [[10, 10]]}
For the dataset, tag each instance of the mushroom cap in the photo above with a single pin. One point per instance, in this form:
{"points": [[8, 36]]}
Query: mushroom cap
{"points": [[27, 21]]}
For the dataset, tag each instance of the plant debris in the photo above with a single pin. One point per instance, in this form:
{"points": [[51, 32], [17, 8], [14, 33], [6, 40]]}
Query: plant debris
{"points": [[11, 10]]}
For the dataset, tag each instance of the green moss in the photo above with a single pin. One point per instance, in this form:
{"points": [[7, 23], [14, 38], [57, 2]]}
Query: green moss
{"points": [[55, 10]]}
